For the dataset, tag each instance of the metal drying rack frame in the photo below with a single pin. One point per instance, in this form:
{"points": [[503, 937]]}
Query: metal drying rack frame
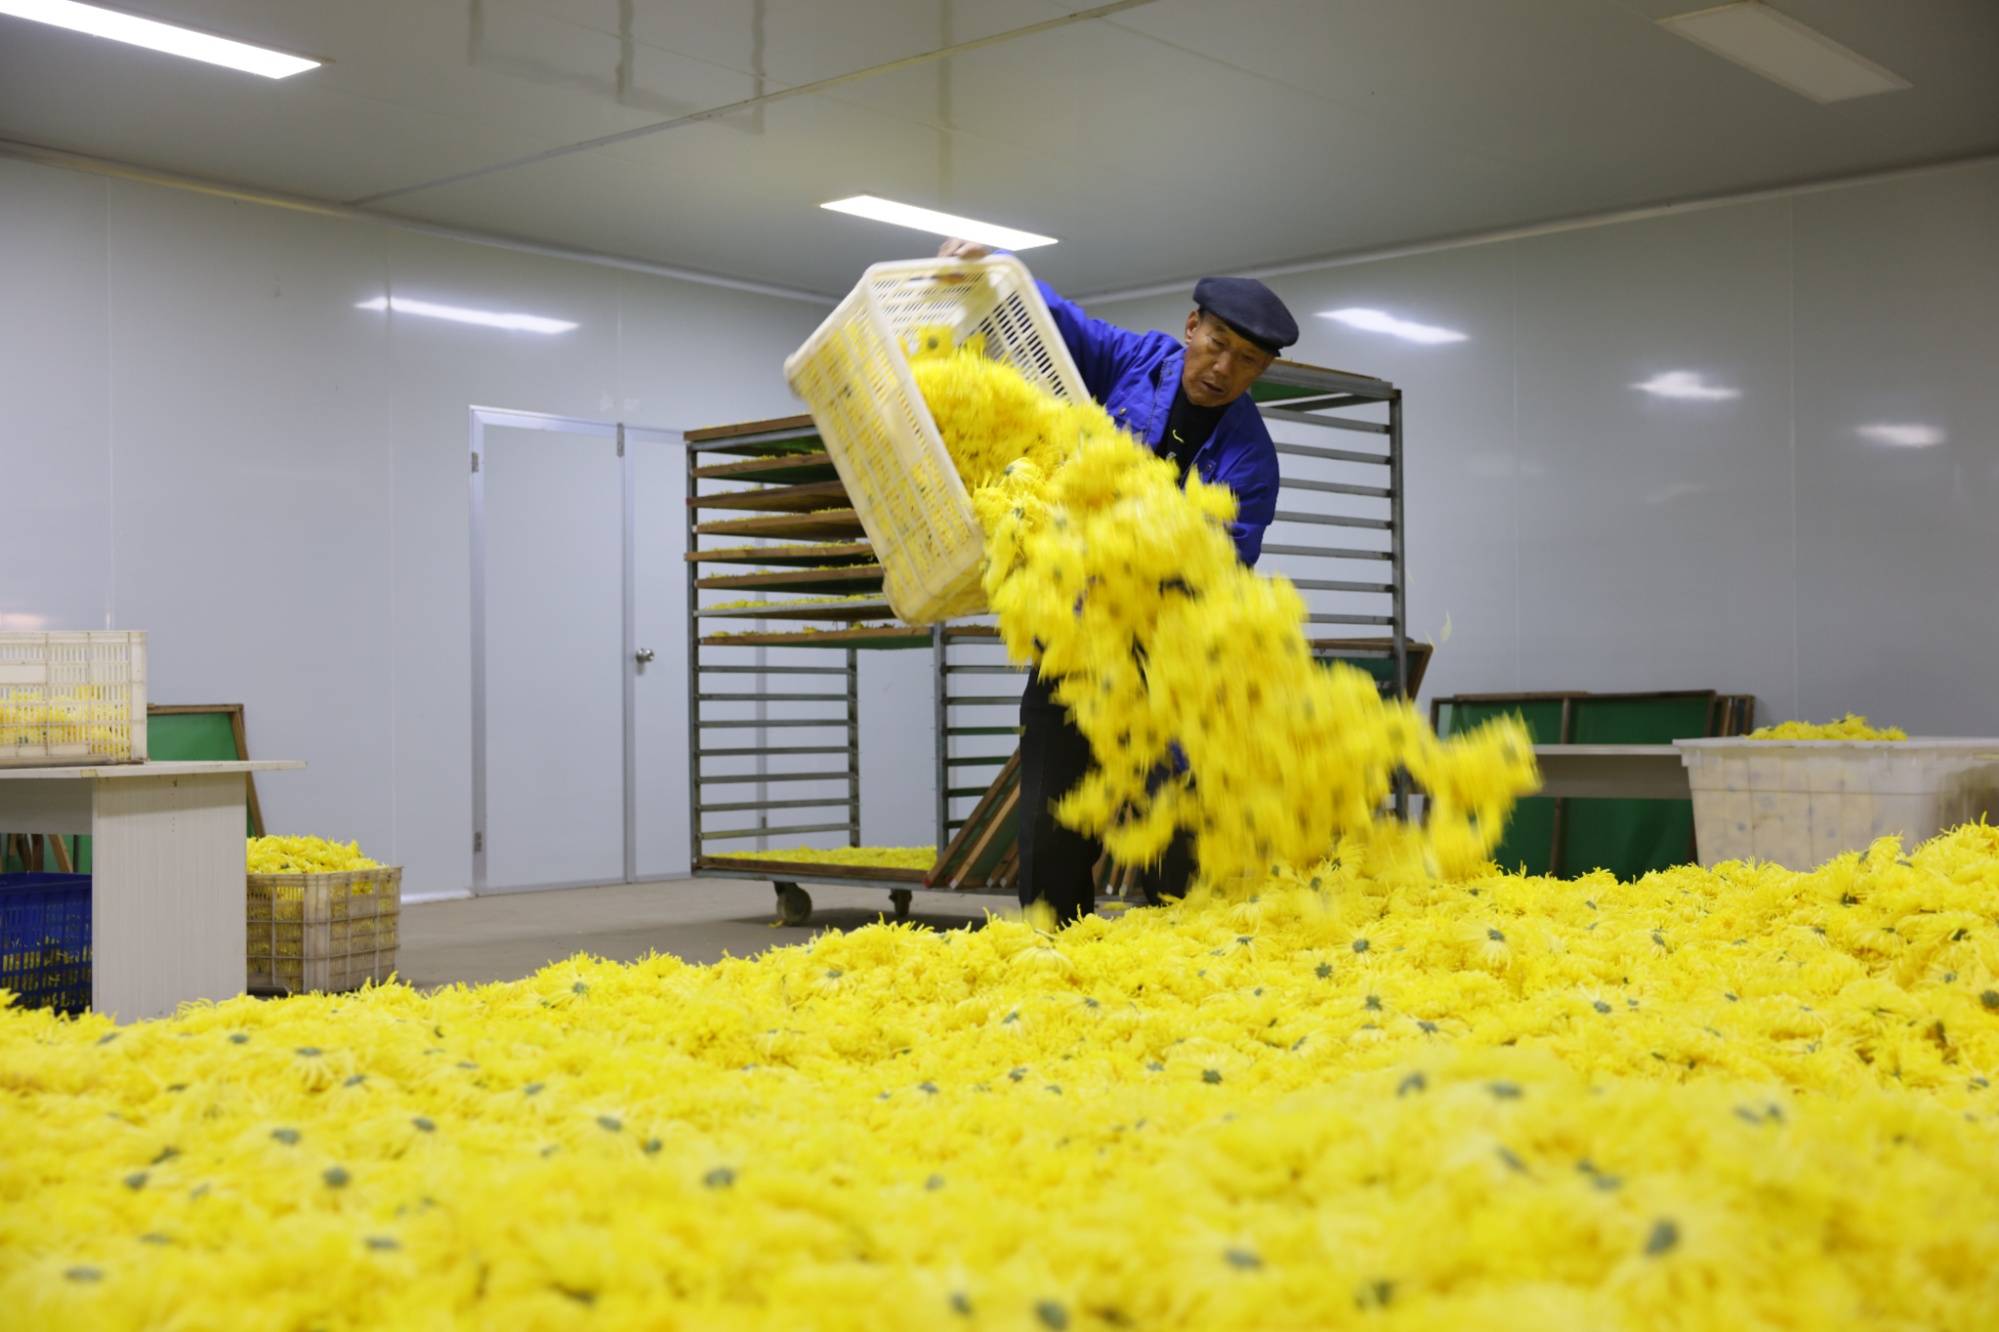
{"points": [[776, 473]]}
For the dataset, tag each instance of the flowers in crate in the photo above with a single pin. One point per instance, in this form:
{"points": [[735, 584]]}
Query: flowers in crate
{"points": [[65, 716], [1850, 727], [305, 855]]}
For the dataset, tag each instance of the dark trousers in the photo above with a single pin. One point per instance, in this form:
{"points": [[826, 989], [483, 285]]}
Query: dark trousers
{"points": [[1058, 864]]}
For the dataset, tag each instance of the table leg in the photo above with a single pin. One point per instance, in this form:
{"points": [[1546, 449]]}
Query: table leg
{"points": [[167, 889]]}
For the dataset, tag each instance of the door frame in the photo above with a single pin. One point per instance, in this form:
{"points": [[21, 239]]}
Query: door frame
{"points": [[482, 417]]}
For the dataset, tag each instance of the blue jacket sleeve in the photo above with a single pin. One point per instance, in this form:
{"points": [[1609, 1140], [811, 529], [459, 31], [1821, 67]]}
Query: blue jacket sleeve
{"points": [[1249, 469], [1256, 506], [1101, 351]]}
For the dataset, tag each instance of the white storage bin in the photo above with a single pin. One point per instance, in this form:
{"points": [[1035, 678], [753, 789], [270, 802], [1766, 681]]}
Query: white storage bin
{"points": [[1799, 803], [853, 372], [72, 699]]}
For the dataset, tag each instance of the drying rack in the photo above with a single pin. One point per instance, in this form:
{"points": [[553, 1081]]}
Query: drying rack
{"points": [[766, 516]]}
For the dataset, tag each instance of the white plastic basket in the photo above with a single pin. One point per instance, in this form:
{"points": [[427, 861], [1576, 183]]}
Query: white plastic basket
{"points": [[72, 698], [853, 373], [1800, 803]]}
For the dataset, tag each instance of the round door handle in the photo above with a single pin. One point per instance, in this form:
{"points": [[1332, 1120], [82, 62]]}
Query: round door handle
{"points": [[644, 655]]}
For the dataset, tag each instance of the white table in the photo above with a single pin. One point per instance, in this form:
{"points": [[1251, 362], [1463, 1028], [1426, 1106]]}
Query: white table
{"points": [[1624, 772], [166, 888]]}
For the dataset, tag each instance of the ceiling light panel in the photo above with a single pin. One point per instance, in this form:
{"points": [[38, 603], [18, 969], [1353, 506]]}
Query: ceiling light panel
{"points": [[938, 224], [114, 25], [510, 320], [1690, 385], [1784, 51], [1380, 321]]}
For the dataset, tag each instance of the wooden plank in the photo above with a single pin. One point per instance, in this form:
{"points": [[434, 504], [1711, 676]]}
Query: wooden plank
{"points": [[853, 578], [954, 850], [873, 608], [883, 636], [785, 467], [774, 866], [812, 497], [809, 556], [831, 525], [1006, 875], [1002, 830], [708, 434]]}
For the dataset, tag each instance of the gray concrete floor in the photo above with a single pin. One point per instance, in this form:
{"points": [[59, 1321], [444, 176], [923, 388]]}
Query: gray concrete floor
{"points": [[507, 936]]}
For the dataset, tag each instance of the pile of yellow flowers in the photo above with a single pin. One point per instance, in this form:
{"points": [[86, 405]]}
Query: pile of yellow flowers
{"points": [[1850, 727], [1104, 572], [880, 857], [32, 717], [305, 855], [1727, 1099]]}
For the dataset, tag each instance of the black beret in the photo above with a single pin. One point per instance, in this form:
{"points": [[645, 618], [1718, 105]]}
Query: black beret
{"points": [[1250, 308]]}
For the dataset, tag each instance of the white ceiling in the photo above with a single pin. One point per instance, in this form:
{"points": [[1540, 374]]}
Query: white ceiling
{"points": [[1167, 140]]}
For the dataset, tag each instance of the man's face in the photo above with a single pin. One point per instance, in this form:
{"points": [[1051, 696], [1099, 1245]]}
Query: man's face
{"points": [[1221, 363]]}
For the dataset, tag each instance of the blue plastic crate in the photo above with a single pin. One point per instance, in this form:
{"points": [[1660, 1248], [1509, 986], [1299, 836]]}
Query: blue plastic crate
{"points": [[45, 940]]}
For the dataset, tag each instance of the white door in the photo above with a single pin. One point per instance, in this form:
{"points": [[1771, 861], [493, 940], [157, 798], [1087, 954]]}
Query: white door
{"points": [[549, 662]]}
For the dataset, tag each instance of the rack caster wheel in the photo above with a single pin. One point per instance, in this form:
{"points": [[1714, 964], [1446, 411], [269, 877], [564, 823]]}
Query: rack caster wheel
{"points": [[794, 904], [900, 897]]}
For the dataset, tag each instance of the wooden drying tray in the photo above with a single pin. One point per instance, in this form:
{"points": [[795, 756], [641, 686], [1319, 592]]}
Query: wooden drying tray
{"points": [[794, 434], [778, 868], [852, 578], [890, 636], [832, 525], [796, 557], [872, 608], [787, 467], [808, 498]]}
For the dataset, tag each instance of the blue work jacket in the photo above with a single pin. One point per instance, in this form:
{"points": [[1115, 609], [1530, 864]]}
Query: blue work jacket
{"points": [[1134, 376]]}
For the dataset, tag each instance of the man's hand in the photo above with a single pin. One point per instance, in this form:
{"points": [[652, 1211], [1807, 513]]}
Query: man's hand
{"points": [[963, 249]]}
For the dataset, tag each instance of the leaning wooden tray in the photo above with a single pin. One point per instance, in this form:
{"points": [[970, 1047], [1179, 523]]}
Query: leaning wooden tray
{"points": [[827, 525], [775, 866]]}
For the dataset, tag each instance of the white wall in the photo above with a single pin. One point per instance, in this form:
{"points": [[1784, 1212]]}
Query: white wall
{"points": [[202, 437], [1580, 534]]}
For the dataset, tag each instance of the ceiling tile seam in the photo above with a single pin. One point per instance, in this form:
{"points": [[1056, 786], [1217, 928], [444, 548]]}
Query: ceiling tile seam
{"points": [[765, 99], [46, 156], [1479, 157], [1576, 222]]}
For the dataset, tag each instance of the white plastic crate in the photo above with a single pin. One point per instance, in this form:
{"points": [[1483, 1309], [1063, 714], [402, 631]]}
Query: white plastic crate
{"points": [[1800, 803], [70, 699], [853, 373], [321, 933]]}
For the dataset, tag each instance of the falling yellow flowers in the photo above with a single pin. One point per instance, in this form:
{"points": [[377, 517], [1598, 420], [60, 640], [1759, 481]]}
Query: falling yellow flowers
{"points": [[1850, 727], [1738, 1098], [1127, 589]]}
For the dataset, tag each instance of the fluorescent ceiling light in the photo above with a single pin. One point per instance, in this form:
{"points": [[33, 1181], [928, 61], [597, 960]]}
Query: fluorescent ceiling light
{"points": [[1784, 51], [1685, 384], [938, 224], [459, 314], [1902, 436], [1380, 321], [157, 36]]}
